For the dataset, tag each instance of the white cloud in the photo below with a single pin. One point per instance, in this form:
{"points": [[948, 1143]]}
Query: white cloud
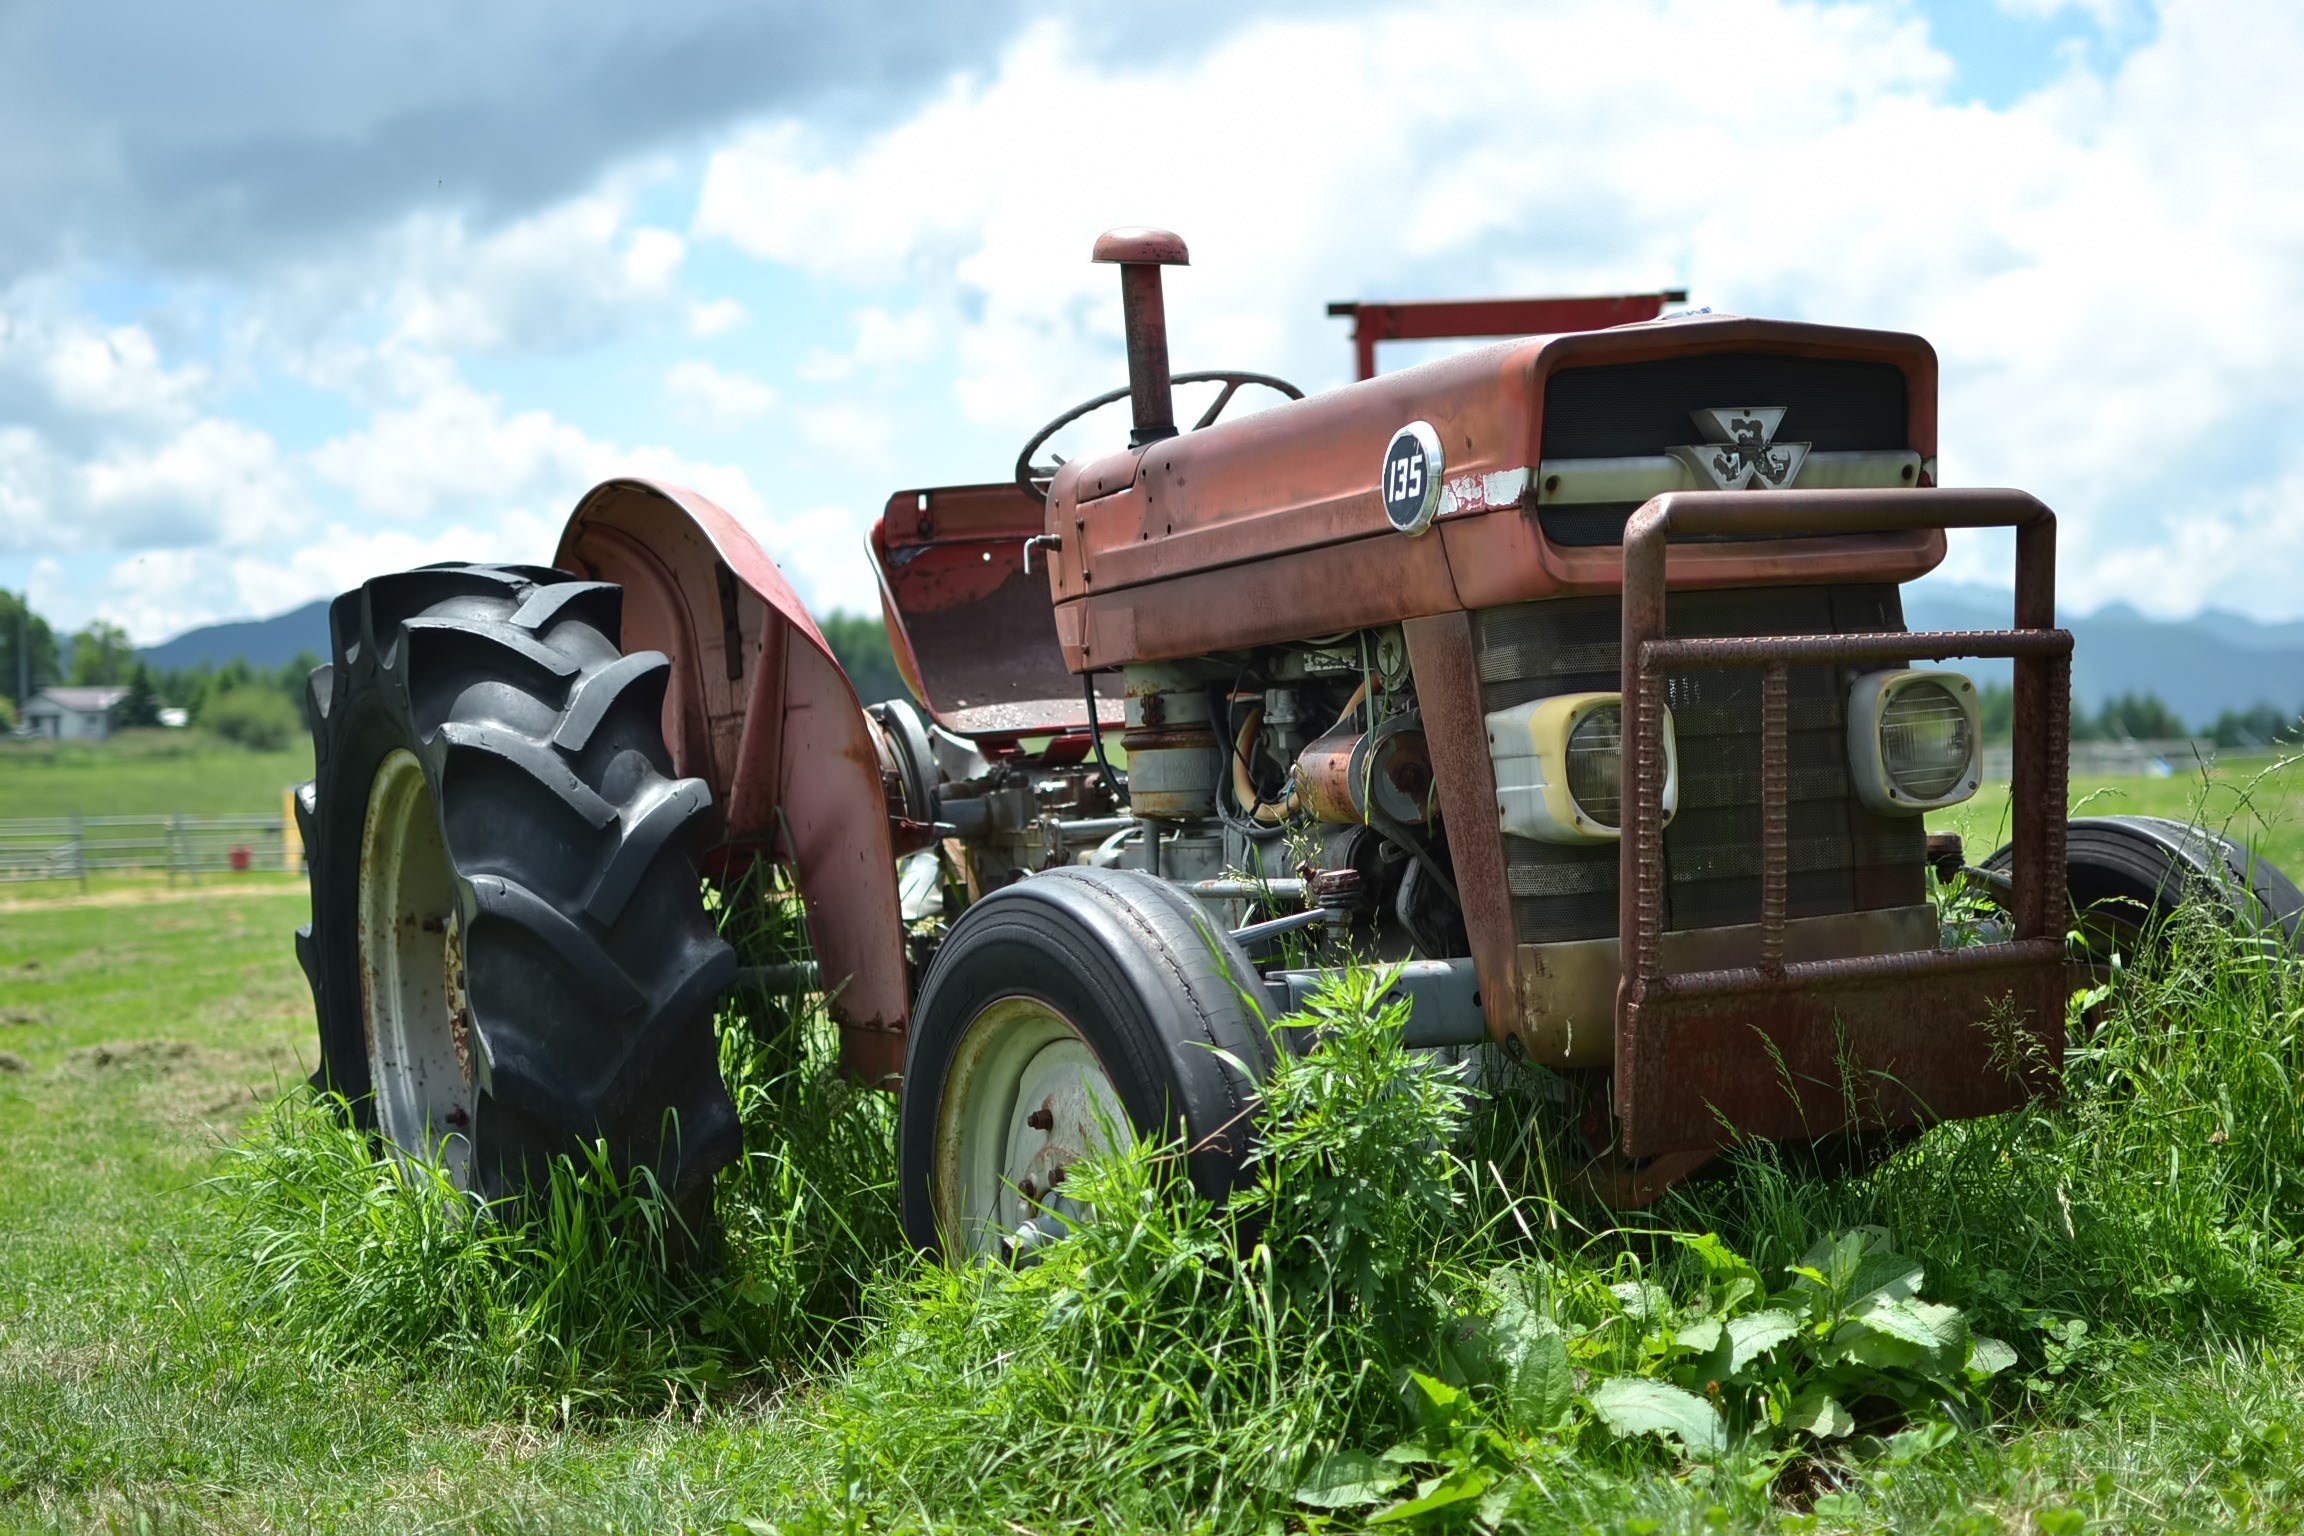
{"points": [[821, 552], [559, 278], [2114, 17], [385, 322], [856, 434], [883, 340], [460, 455], [715, 317], [62, 372], [218, 481], [457, 451], [652, 257], [2105, 267], [721, 398], [29, 476], [1303, 160], [158, 593], [46, 586], [117, 372]]}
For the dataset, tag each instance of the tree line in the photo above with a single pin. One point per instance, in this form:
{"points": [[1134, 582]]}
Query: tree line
{"points": [[2146, 717]]}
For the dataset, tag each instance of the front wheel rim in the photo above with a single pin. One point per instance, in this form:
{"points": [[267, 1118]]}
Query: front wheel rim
{"points": [[413, 1000], [1026, 1098]]}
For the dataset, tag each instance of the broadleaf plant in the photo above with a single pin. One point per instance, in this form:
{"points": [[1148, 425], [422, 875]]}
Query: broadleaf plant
{"points": [[1848, 1334]]}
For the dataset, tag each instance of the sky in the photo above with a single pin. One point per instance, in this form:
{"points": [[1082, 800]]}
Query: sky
{"points": [[292, 295]]}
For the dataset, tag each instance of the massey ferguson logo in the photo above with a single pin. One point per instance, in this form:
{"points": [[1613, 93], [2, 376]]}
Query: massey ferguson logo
{"points": [[1740, 449]]}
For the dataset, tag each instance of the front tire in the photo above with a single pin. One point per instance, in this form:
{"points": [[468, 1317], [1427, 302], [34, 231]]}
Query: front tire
{"points": [[1065, 1004], [509, 952]]}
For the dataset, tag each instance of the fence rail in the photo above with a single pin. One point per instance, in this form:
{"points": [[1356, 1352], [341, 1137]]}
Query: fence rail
{"points": [[186, 847], [2118, 759]]}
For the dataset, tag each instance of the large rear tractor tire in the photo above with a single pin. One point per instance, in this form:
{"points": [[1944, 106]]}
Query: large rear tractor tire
{"points": [[1067, 1004], [509, 951]]}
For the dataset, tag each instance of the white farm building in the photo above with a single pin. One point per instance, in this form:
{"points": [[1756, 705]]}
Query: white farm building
{"points": [[73, 714]]}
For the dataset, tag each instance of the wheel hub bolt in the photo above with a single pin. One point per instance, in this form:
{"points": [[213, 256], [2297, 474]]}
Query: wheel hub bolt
{"points": [[1041, 1119], [1029, 1190]]}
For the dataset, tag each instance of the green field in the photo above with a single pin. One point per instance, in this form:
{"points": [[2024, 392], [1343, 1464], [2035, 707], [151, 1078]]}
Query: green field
{"points": [[217, 1313], [2256, 800], [147, 773]]}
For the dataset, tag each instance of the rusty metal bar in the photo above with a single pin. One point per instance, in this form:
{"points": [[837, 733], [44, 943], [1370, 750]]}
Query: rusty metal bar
{"points": [[2037, 788], [1848, 511], [1775, 817], [2043, 658], [1639, 895], [1649, 785], [1435, 319], [1912, 965], [1919, 645]]}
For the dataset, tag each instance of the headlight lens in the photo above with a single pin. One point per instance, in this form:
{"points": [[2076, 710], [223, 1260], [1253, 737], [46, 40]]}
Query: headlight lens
{"points": [[1596, 764], [1925, 743]]}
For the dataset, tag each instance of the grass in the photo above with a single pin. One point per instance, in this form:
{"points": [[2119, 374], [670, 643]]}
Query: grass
{"points": [[147, 773], [217, 1312], [2251, 798]]}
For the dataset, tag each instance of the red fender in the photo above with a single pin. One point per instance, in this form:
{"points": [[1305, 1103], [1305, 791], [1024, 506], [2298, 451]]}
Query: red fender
{"points": [[761, 711]]}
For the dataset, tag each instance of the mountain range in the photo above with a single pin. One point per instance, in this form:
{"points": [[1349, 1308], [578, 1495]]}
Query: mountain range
{"points": [[269, 642], [2200, 666]]}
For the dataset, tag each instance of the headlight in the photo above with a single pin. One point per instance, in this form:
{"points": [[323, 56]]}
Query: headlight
{"points": [[1560, 768], [1596, 764], [1913, 740]]}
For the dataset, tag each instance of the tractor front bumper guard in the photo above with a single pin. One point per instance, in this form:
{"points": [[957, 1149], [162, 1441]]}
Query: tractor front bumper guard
{"points": [[1783, 1050]]}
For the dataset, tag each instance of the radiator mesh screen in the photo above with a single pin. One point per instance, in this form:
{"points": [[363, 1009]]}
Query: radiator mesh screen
{"points": [[1843, 858]]}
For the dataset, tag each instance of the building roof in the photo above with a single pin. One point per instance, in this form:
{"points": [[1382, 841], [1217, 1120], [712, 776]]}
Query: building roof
{"points": [[85, 701]]}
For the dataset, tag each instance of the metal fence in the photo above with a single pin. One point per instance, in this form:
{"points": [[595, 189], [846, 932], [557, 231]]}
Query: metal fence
{"points": [[2119, 759], [184, 847]]}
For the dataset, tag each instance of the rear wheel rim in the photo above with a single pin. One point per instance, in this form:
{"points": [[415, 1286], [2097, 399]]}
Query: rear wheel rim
{"points": [[413, 1003], [1024, 1100]]}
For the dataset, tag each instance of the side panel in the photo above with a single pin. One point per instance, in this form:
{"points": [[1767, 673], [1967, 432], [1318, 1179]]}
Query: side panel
{"points": [[759, 709]]}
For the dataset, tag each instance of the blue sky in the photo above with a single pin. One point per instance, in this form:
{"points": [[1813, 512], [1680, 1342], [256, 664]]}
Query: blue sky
{"points": [[384, 286]]}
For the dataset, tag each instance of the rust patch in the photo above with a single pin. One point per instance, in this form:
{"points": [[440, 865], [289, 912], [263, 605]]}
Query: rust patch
{"points": [[459, 999]]}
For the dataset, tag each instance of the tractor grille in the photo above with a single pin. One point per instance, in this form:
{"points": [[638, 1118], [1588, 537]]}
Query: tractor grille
{"points": [[1627, 410], [1843, 858]]}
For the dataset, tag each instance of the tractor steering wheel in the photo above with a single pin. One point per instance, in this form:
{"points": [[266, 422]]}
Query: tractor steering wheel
{"points": [[1034, 479]]}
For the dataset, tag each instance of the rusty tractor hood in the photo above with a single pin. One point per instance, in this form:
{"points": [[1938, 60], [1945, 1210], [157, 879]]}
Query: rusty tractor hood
{"points": [[1273, 527]]}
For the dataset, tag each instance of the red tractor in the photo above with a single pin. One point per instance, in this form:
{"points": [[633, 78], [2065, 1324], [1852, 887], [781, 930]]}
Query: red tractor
{"points": [[1569, 677]]}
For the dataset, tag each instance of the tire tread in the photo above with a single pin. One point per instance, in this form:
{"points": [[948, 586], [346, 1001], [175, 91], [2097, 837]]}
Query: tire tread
{"points": [[631, 1042]]}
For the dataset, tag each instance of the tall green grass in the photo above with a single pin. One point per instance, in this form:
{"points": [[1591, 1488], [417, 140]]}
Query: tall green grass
{"points": [[1399, 1321], [604, 1297], [363, 1260]]}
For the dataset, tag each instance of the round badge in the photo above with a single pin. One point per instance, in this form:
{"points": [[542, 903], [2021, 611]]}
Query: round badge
{"points": [[1411, 477]]}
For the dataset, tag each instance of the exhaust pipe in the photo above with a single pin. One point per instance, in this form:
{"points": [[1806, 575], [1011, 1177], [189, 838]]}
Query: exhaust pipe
{"points": [[1140, 254]]}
